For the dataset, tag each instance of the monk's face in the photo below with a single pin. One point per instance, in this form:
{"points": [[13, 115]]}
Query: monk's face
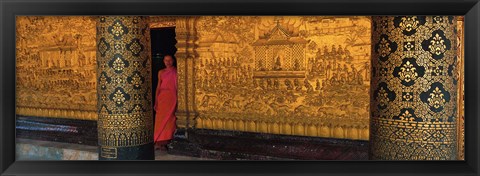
{"points": [[168, 61]]}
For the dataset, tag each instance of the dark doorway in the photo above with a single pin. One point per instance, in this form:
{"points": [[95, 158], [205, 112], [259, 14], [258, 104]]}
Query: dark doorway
{"points": [[163, 43]]}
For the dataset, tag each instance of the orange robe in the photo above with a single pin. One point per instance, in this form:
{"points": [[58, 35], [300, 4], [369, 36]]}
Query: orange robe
{"points": [[165, 105]]}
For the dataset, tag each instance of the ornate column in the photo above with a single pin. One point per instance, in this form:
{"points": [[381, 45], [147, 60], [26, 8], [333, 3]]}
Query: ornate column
{"points": [[186, 38], [414, 88], [125, 120]]}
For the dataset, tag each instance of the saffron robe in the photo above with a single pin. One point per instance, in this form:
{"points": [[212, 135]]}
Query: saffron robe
{"points": [[165, 105]]}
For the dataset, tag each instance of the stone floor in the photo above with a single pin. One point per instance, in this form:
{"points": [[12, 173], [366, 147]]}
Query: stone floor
{"points": [[27, 149]]}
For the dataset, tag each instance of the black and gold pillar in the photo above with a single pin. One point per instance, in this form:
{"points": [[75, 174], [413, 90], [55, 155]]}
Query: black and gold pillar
{"points": [[125, 124], [414, 88]]}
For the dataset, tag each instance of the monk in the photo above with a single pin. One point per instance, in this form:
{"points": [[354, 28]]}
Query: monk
{"points": [[165, 104]]}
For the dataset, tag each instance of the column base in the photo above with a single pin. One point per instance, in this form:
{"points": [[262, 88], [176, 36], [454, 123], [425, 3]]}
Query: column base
{"points": [[142, 152]]}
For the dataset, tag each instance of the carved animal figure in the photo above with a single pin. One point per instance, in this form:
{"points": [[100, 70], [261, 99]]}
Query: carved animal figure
{"points": [[209, 101]]}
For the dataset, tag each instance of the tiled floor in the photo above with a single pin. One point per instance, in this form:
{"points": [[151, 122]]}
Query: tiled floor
{"points": [[28, 149], [163, 155]]}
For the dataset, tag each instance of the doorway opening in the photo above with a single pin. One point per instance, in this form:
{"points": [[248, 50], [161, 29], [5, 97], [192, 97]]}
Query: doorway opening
{"points": [[162, 43]]}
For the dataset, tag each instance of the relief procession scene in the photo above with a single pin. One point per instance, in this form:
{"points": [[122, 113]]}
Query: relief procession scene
{"points": [[293, 70], [56, 66]]}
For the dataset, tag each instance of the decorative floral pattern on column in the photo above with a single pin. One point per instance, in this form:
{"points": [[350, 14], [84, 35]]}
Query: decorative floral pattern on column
{"points": [[436, 97], [407, 114], [420, 123], [409, 71], [409, 24], [383, 96], [125, 110], [385, 47], [437, 44]]}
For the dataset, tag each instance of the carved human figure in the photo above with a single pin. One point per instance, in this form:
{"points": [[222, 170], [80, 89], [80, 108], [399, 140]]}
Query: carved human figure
{"points": [[317, 85], [269, 84], [296, 65], [318, 55], [343, 78], [334, 52], [276, 84], [298, 87], [354, 71], [347, 52], [340, 50], [260, 65], [288, 83], [262, 84], [325, 52], [308, 86], [206, 84], [359, 78], [223, 62], [278, 64], [334, 79]]}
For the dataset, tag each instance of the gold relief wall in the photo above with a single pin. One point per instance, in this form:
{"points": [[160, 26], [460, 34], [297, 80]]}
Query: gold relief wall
{"points": [[238, 60], [305, 76], [56, 66]]}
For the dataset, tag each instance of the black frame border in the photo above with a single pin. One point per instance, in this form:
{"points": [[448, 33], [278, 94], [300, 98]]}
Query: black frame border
{"points": [[10, 8]]}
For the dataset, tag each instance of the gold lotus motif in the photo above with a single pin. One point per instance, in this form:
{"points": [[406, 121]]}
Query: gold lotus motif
{"points": [[409, 23], [136, 80], [103, 81], [408, 72], [437, 45], [117, 29], [119, 97], [118, 64], [382, 97], [407, 116], [436, 98], [384, 48]]}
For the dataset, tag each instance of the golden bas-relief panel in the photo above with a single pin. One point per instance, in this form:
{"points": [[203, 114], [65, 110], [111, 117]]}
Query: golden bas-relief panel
{"points": [[56, 67], [306, 76]]}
